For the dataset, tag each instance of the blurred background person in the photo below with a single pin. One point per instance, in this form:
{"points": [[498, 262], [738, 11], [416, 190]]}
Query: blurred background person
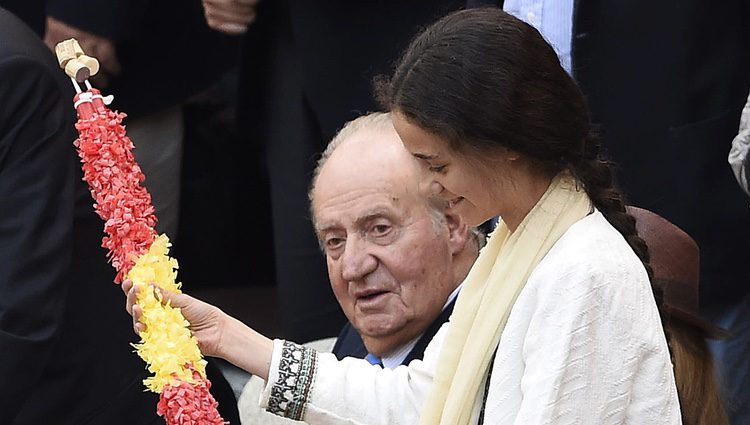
{"points": [[65, 351], [740, 146]]}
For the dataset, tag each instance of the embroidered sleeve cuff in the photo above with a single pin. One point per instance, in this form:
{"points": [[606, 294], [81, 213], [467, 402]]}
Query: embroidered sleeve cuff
{"points": [[290, 380]]}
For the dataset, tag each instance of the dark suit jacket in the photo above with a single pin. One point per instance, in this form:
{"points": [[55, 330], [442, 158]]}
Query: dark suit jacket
{"points": [[349, 343], [667, 81], [340, 46]]}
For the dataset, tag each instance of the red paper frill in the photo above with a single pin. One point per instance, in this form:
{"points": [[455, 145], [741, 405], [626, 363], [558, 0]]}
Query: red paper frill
{"points": [[115, 179], [189, 404]]}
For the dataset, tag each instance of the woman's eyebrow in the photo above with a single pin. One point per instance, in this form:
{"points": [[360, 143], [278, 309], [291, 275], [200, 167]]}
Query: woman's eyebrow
{"points": [[424, 156]]}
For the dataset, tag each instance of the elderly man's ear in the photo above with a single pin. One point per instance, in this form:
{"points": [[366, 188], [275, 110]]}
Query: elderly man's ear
{"points": [[458, 232]]}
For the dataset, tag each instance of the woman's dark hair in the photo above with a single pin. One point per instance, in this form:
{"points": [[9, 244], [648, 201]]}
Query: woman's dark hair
{"points": [[483, 80]]}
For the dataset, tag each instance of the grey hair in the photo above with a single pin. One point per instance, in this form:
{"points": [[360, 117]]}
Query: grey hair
{"points": [[371, 121], [479, 237], [437, 209]]}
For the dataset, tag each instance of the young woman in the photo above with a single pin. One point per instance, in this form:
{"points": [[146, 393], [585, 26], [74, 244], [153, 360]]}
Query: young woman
{"points": [[557, 321]]}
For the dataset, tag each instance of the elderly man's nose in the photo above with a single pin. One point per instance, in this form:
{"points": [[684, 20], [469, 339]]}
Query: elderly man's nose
{"points": [[357, 262]]}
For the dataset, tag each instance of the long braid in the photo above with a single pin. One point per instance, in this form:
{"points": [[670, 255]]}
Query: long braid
{"points": [[596, 174]]}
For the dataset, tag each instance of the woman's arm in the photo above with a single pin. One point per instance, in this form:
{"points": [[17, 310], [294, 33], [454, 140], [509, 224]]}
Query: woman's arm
{"points": [[245, 348], [319, 389], [301, 383]]}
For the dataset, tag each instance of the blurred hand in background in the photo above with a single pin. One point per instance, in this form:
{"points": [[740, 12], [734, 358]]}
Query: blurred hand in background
{"points": [[230, 16]]}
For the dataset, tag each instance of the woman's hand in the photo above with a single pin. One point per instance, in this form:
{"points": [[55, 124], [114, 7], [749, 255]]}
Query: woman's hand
{"points": [[218, 334], [206, 321]]}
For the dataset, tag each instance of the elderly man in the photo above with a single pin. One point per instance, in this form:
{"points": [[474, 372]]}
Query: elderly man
{"points": [[395, 260]]}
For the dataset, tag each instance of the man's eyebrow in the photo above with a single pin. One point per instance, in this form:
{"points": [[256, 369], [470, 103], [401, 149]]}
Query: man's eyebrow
{"points": [[373, 214], [325, 227]]}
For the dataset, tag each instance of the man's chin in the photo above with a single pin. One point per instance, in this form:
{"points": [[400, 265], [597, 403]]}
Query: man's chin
{"points": [[382, 327]]}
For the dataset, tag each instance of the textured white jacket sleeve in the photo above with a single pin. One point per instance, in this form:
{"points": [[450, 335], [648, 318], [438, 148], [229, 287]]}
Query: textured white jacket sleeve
{"points": [[350, 391]]}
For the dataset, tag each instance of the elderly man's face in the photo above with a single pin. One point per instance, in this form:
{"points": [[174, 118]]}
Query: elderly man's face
{"points": [[390, 261]]}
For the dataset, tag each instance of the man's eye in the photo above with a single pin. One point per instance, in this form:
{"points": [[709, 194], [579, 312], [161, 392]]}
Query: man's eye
{"points": [[333, 243], [437, 168], [380, 229]]}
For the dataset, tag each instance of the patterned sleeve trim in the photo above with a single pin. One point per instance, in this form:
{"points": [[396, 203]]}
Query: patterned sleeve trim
{"points": [[290, 392]]}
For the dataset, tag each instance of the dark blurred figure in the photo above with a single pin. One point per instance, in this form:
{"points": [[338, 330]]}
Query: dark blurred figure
{"points": [[64, 347], [675, 260], [666, 82], [225, 245], [31, 12], [307, 69], [71, 381]]}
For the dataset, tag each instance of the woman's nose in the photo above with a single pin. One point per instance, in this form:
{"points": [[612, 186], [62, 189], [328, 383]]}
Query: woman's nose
{"points": [[430, 187]]}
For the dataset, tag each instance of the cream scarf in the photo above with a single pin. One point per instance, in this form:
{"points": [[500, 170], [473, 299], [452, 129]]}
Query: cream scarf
{"points": [[488, 295]]}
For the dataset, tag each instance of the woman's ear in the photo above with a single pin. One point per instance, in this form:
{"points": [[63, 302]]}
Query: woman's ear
{"points": [[458, 232]]}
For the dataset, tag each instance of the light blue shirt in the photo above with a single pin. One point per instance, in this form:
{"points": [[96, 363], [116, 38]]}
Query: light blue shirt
{"points": [[553, 18]]}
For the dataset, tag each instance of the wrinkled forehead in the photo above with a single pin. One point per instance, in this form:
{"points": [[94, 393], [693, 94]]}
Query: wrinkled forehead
{"points": [[368, 160], [371, 170], [351, 206], [356, 207]]}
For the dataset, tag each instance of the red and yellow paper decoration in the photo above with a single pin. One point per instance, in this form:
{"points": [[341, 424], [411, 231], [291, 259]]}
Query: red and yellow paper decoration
{"points": [[137, 253]]}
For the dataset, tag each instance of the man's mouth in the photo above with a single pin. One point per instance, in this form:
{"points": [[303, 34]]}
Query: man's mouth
{"points": [[371, 298]]}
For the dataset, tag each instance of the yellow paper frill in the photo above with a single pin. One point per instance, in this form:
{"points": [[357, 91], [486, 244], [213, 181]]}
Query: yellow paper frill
{"points": [[167, 345]]}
